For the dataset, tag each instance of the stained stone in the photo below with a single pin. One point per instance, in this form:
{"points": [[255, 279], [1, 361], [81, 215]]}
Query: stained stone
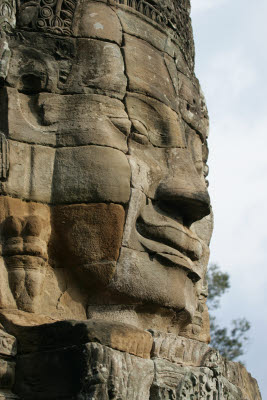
{"points": [[97, 20], [75, 243]]}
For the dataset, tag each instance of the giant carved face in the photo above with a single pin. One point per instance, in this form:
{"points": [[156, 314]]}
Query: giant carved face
{"points": [[106, 127]]}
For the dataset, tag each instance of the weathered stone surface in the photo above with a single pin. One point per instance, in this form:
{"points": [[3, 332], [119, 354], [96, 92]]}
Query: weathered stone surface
{"points": [[135, 276], [151, 77], [30, 173], [154, 121], [67, 175], [75, 242], [90, 371], [16, 320], [66, 65], [179, 350], [98, 68], [45, 119], [8, 344], [63, 334], [136, 25], [192, 105], [97, 20], [7, 23], [4, 157], [90, 174], [238, 375], [24, 233], [95, 119]]}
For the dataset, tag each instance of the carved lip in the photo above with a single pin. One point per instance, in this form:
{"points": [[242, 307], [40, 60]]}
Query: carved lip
{"points": [[169, 241]]}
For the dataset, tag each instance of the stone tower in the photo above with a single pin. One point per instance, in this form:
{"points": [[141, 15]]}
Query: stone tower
{"points": [[105, 218]]}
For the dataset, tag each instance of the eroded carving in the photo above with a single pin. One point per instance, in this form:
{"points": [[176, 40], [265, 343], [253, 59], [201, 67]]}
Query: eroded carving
{"points": [[47, 15], [4, 157], [7, 24], [24, 249]]}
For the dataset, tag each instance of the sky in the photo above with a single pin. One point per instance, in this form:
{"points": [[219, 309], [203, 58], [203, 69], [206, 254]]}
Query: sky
{"points": [[231, 58]]}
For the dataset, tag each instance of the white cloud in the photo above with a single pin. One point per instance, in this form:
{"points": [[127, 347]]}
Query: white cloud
{"points": [[203, 5], [231, 66]]}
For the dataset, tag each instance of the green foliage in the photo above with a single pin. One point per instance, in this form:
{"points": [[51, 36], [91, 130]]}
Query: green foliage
{"points": [[218, 283], [230, 342]]}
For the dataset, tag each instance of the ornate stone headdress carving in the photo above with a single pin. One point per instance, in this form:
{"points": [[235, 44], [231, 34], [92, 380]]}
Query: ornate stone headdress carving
{"points": [[56, 16]]}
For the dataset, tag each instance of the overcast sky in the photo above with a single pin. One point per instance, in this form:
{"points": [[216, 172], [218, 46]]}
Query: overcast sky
{"points": [[231, 59]]}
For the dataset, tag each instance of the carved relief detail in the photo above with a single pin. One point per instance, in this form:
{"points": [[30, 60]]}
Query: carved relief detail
{"points": [[4, 157], [175, 18], [54, 16], [8, 345], [25, 255], [7, 15], [7, 23], [8, 350]]}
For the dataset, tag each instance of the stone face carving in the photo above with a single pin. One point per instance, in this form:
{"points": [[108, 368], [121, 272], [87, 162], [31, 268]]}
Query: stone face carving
{"points": [[113, 151], [105, 218]]}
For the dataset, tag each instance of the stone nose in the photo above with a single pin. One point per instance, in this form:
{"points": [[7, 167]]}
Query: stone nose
{"points": [[183, 192]]}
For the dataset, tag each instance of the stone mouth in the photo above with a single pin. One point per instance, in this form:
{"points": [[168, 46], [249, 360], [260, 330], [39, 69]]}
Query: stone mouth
{"points": [[170, 257], [169, 241], [180, 239]]}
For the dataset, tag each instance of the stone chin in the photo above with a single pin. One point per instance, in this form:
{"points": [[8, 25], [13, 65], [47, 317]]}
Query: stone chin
{"points": [[159, 277]]}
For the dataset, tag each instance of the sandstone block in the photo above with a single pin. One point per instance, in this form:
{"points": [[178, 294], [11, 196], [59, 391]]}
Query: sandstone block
{"points": [[192, 105], [179, 350], [76, 243], [136, 276], [90, 371], [136, 24], [24, 234], [70, 120], [68, 175], [151, 76], [97, 68], [4, 157], [158, 123], [63, 334], [31, 172], [8, 344], [97, 20], [85, 119], [80, 65], [90, 174]]}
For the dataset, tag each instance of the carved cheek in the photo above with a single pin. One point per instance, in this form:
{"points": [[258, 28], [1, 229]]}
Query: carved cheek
{"points": [[87, 239]]}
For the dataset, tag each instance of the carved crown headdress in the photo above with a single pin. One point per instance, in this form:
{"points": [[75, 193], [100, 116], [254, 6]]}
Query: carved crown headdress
{"points": [[56, 16]]}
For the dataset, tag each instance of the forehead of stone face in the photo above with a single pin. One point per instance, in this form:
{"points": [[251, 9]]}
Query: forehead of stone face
{"points": [[45, 62]]}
